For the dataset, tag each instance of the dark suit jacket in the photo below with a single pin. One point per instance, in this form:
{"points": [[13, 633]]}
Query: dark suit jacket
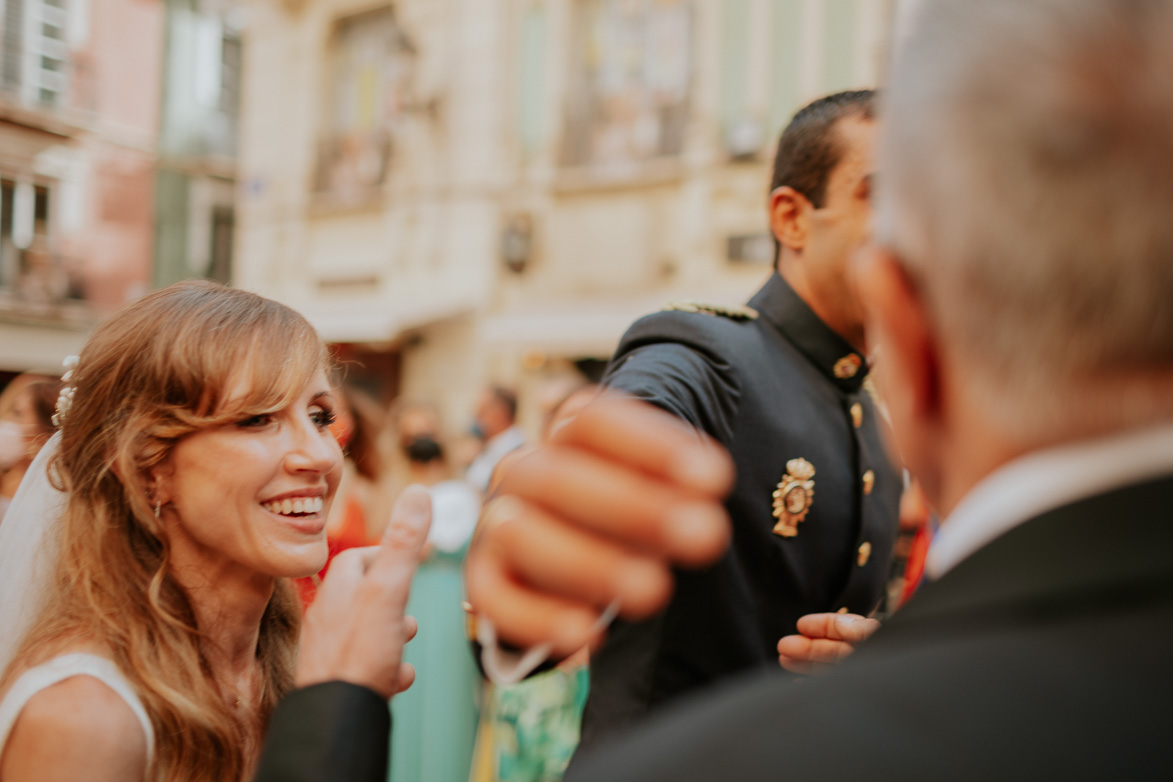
{"points": [[1048, 654], [772, 384], [332, 731]]}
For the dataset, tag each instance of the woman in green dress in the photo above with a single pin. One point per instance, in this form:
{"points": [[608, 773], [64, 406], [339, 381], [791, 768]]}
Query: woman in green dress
{"points": [[435, 720]]}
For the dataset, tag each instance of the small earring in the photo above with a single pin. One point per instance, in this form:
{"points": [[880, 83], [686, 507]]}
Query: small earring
{"points": [[158, 507]]}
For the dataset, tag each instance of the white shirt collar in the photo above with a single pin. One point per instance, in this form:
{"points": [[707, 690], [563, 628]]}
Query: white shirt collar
{"points": [[1044, 480]]}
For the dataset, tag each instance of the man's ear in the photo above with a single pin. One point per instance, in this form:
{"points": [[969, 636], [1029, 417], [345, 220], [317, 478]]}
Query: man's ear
{"points": [[900, 334], [788, 217]]}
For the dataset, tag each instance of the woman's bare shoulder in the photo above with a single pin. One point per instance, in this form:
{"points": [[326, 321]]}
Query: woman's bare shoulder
{"points": [[78, 728]]}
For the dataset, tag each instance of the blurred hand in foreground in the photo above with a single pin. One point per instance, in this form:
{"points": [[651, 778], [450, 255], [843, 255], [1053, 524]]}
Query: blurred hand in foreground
{"points": [[355, 630], [600, 513], [823, 640]]}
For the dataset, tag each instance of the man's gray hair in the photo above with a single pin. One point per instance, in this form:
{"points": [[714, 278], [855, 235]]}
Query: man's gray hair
{"points": [[1027, 184]]}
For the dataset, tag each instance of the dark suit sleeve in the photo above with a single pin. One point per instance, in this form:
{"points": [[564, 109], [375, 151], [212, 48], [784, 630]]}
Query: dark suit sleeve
{"points": [[330, 731], [678, 361]]}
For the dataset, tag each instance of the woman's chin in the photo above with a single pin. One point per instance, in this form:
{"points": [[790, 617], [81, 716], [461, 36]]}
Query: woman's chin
{"points": [[307, 563]]}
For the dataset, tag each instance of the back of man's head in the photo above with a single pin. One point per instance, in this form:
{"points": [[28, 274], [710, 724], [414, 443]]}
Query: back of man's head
{"points": [[1025, 184]]}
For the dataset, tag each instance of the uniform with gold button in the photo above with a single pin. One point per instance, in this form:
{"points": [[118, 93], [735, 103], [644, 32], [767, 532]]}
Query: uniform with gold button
{"points": [[784, 393]]}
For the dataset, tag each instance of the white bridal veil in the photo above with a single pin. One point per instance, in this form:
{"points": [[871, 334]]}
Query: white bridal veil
{"points": [[30, 547]]}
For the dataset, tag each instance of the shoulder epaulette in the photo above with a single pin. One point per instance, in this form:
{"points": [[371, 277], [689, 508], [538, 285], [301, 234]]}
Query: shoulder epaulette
{"points": [[731, 311]]}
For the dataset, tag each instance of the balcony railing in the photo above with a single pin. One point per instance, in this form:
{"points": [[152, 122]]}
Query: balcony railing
{"points": [[40, 286]]}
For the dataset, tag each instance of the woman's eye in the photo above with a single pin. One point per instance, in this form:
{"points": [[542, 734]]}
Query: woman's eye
{"points": [[256, 421], [322, 418]]}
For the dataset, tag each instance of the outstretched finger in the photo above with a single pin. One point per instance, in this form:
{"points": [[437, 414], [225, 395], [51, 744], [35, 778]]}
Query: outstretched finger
{"points": [[813, 650], [851, 628], [523, 617], [399, 552], [565, 561], [629, 507], [652, 441]]}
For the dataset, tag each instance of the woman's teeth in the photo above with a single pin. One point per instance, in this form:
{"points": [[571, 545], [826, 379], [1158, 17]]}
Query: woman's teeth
{"points": [[299, 506]]}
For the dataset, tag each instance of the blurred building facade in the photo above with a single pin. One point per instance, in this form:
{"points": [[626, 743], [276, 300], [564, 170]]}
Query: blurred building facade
{"points": [[467, 191], [195, 176], [79, 98], [118, 127]]}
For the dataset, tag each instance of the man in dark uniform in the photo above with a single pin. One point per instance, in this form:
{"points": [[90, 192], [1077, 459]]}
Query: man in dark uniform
{"points": [[780, 384]]}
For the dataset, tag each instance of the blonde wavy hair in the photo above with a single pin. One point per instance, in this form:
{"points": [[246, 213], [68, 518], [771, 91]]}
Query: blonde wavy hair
{"points": [[158, 370]]}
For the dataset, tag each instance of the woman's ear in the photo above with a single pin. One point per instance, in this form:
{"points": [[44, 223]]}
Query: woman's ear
{"points": [[159, 482]]}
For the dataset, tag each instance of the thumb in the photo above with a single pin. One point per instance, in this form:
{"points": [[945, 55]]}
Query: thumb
{"points": [[398, 554]]}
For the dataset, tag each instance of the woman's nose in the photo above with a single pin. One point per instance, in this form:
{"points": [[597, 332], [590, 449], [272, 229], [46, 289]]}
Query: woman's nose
{"points": [[315, 450]]}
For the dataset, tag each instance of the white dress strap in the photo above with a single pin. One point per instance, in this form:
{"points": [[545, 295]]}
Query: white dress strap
{"points": [[64, 667]]}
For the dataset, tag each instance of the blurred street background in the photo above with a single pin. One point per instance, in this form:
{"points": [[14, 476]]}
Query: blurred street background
{"points": [[455, 192]]}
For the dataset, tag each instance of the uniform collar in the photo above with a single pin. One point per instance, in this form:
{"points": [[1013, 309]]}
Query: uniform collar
{"points": [[834, 356]]}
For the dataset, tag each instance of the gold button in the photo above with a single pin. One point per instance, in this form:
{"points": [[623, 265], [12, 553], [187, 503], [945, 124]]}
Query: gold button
{"points": [[842, 610], [847, 366], [865, 553], [857, 415], [869, 482]]}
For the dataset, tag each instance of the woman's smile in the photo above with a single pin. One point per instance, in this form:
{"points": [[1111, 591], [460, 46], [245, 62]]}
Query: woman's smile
{"points": [[300, 510]]}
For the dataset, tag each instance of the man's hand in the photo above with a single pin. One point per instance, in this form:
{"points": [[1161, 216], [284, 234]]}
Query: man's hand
{"points": [[598, 514], [355, 630], [823, 640]]}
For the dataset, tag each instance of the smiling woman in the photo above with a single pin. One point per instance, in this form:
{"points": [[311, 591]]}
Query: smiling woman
{"points": [[248, 496], [199, 469]]}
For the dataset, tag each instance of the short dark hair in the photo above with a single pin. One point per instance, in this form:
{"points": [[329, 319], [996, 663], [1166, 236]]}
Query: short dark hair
{"points": [[507, 397], [808, 150]]}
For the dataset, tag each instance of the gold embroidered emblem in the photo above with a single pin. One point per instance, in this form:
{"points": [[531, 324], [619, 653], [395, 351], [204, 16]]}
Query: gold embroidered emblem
{"points": [[793, 497], [733, 312]]}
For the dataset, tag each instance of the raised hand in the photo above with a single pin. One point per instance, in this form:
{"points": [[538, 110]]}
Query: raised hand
{"points": [[599, 514], [355, 630]]}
